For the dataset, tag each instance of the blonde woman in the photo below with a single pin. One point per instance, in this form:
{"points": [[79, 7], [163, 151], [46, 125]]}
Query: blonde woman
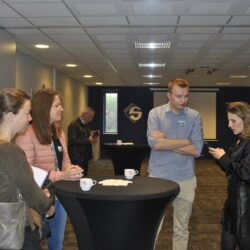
{"points": [[236, 164]]}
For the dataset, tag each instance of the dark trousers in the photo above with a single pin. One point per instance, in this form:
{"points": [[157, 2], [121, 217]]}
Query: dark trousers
{"points": [[230, 242], [32, 239]]}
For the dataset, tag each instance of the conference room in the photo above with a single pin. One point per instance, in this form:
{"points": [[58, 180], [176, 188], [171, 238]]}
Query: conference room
{"points": [[117, 57]]}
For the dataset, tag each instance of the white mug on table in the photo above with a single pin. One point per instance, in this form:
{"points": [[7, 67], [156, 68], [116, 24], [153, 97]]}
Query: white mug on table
{"points": [[130, 173], [87, 183]]}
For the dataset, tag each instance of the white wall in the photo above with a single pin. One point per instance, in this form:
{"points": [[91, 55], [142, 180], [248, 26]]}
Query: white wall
{"points": [[7, 60], [74, 97], [204, 102], [31, 75]]}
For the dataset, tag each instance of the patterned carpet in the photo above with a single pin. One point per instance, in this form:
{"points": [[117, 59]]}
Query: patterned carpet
{"points": [[205, 225]]}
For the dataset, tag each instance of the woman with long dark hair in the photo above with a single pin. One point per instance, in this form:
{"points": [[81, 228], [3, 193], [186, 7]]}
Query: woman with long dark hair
{"points": [[45, 147]]}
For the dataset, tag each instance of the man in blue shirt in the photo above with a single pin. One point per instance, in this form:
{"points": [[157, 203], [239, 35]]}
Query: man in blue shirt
{"points": [[175, 136]]}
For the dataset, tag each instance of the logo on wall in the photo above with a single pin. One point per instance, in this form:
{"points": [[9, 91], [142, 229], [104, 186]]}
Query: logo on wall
{"points": [[133, 112]]}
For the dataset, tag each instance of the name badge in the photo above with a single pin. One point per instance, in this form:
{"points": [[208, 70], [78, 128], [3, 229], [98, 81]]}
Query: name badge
{"points": [[181, 122]]}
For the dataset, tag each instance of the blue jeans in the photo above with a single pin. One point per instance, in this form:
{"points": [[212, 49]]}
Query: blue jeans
{"points": [[57, 226]]}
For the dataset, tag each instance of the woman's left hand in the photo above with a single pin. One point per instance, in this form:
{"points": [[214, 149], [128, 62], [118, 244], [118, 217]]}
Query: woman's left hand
{"points": [[217, 153], [73, 173]]}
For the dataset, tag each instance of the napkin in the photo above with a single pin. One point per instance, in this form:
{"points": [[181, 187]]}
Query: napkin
{"points": [[114, 182]]}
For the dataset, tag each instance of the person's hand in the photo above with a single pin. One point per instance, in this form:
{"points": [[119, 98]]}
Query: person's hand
{"points": [[50, 212], [72, 173], [217, 153], [91, 139], [47, 192], [157, 134]]}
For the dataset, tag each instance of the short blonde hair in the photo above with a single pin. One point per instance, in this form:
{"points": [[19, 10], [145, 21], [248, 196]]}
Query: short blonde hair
{"points": [[182, 83]]}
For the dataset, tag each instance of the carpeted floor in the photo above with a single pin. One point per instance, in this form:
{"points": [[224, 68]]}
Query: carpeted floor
{"points": [[205, 224]]}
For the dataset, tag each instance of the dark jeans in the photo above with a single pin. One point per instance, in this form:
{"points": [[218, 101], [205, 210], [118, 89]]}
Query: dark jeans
{"points": [[32, 239], [229, 241]]}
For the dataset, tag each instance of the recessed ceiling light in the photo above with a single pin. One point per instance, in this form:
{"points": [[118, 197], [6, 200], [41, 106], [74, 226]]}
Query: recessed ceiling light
{"points": [[152, 45], [151, 83], [223, 83], [42, 46], [238, 76], [71, 65], [98, 83], [152, 76], [152, 65], [87, 76]]}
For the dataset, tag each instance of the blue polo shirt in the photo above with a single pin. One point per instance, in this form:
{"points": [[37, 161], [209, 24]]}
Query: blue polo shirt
{"points": [[185, 124]]}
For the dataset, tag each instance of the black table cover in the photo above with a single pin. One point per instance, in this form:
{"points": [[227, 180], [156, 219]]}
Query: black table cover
{"points": [[117, 218], [126, 156]]}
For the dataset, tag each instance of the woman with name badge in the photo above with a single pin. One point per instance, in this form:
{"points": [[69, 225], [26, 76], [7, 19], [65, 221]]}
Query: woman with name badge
{"points": [[45, 147]]}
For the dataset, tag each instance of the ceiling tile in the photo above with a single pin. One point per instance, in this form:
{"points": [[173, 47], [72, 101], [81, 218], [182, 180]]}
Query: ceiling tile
{"points": [[156, 8], [14, 22], [54, 21], [97, 9], [31, 31], [210, 8], [70, 38], [200, 30], [151, 30], [192, 37], [236, 30], [63, 31], [190, 45], [152, 20], [203, 20], [233, 37], [228, 45], [111, 38], [113, 21], [114, 45], [6, 11], [41, 9], [117, 51], [33, 1], [240, 20], [108, 30]]}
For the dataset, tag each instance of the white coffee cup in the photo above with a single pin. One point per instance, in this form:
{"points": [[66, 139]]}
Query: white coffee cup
{"points": [[119, 142], [130, 173], [87, 183]]}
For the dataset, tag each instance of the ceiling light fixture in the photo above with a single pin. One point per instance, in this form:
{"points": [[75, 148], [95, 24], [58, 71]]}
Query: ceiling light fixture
{"points": [[223, 83], [42, 46], [152, 45], [98, 83], [151, 83], [87, 76], [152, 65], [238, 76], [71, 65], [152, 76]]}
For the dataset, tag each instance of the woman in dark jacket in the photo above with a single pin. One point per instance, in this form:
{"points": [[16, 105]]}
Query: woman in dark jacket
{"points": [[236, 164]]}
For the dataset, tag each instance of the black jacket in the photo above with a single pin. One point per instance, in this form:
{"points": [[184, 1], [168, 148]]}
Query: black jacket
{"points": [[79, 146], [236, 164]]}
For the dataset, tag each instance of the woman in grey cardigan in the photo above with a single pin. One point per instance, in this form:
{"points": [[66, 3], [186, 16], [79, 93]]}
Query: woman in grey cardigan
{"points": [[15, 172]]}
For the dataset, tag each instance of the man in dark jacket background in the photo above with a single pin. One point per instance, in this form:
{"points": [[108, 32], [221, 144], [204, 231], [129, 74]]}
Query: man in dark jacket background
{"points": [[80, 139]]}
